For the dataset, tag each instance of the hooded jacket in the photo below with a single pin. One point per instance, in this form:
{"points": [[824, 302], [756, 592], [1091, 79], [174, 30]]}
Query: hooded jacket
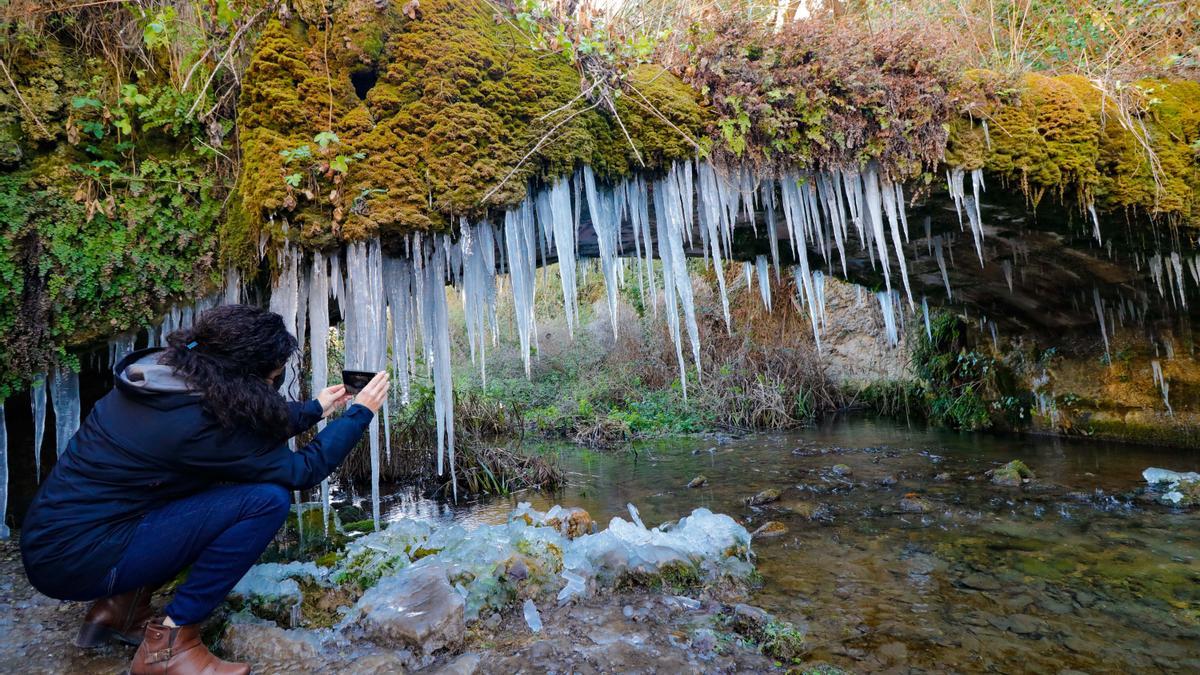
{"points": [[148, 442]]}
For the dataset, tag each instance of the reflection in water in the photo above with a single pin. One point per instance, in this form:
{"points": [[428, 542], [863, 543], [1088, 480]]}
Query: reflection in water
{"points": [[1068, 572]]}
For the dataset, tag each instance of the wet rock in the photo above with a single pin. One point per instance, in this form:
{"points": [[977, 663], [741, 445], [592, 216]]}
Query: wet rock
{"points": [[1054, 606], [749, 621], [915, 503], [765, 497], [1012, 474], [267, 645], [1019, 602], [980, 582], [771, 528], [841, 470], [417, 608], [698, 481], [887, 481], [1084, 598], [465, 664], [571, 522], [893, 652], [942, 477], [1023, 624]]}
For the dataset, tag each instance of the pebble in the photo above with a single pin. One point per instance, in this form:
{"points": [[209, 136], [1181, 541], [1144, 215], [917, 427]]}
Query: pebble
{"points": [[981, 582], [698, 481], [841, 470]]}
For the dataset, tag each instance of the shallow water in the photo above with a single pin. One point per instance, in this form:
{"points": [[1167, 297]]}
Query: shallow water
{"points": [[1070, 572]]}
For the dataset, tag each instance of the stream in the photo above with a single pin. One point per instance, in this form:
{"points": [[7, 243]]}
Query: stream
{"points": [[1069, 572]]}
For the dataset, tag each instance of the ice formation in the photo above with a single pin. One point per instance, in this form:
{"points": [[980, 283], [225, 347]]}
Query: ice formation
{"points": [[64, 394], [1163, 386], [37, 401], [318, 326]]}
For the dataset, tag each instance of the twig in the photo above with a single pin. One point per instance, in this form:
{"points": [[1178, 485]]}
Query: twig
{"points": [[535, 148], [613, 107], [645, 103], [232, 43], [23, 101]]}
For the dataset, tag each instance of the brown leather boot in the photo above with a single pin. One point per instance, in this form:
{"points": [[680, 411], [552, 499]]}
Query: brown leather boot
{"points": [[122, 617], [178, 651]]}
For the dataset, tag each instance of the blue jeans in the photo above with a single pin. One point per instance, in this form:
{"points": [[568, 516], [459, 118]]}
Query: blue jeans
{"points": [[219, 532]]}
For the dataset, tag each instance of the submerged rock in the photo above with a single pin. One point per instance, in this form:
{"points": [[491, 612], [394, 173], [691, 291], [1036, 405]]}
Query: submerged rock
{"points": [[765, 497], [1012, 474], [417, 608], [841, 470], [915, 503], [698, 481], [771, 528]]}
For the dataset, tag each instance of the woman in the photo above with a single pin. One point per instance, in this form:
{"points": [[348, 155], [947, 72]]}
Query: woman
{"points": [[183, 463]]}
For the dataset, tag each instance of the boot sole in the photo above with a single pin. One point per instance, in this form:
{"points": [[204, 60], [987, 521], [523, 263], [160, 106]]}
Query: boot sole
{"points": [[93, 635]]}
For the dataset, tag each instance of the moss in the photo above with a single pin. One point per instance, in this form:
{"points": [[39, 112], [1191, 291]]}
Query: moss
{"points": [[1062, 135]]}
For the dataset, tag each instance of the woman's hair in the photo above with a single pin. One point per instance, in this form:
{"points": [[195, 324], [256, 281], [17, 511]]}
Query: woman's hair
{"points": [[227, 355]]}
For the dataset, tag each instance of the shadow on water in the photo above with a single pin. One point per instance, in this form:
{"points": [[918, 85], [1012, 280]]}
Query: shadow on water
{"points": [[899, 550]]}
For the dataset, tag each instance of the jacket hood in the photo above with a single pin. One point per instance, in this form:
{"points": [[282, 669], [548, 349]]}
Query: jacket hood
{"points": [[141, 375]]}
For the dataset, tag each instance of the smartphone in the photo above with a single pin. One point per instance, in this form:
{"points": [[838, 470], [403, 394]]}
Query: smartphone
{"points": [[355, 380]]}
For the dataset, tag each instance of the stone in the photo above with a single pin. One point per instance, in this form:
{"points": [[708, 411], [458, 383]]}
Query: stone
{"points": [[1012, 474], [942, 477], [465, 664], [893, 652], [771, 528], [765, 497], [887, 481], [841, 470], [1023, 624], [417, 607], [915, 503], [572, 522], [698, 481], [749, 621], [981, 582]]}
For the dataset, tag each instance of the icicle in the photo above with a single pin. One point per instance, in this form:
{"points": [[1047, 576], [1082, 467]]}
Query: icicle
{"points": [[437, 340], [318, 348], [554, 210], [1095, 222], [1163, 385], [285, 300], [398, 282], [672, 204], [987, 136], [365, 332], [519, 242], [893, 203], [1006, 266], [925, 312], [1100, 315], [874, 204], [768, 189], [478, 252], [713, 212], [37, 400], [764, 281], [887, 308], [606, 223], [64, 394], [1177, 265], [3, 475], [233, 286], [941, 261]]}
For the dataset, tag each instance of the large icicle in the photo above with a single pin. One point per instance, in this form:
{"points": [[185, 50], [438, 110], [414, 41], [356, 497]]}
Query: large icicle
{"points": [[437, 340], [398, 282], [713, 212], [874, 208], [520, 243], [764, 280], [318, 349], [893, 205], [554, 211], [285, 301], [37, 400], [64, 394], [365, 332], [672, 208], [477, 246], [606, 222]]}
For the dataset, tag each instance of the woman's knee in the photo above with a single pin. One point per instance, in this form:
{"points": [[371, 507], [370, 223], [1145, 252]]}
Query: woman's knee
{"points": [[271, 498]]}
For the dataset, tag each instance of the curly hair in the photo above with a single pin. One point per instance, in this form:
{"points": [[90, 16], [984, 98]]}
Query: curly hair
{"points": [[234, 349]]}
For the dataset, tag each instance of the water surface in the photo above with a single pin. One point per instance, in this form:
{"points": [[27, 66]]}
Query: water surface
{"points": [[1070, 572]]}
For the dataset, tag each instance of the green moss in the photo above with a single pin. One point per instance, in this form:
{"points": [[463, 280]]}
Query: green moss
{"points": [[1061, 135]]}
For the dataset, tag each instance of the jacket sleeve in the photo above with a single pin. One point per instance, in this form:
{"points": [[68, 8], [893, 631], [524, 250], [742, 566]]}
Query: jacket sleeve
{"points": [[297, 470], [303, 415]]}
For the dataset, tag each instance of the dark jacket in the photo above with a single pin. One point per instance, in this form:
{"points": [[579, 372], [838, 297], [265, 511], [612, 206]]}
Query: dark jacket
{"points": [[149, 442]]}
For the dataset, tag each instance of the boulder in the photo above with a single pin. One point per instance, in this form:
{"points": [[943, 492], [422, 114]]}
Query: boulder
{"points": [[841, 470], [765, 497], [417, 608], [698, 481], [915, 503], [1012, 474]]}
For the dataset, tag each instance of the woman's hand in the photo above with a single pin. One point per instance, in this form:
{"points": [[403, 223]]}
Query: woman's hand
{"points": [[332, 398], [375, 393]]}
